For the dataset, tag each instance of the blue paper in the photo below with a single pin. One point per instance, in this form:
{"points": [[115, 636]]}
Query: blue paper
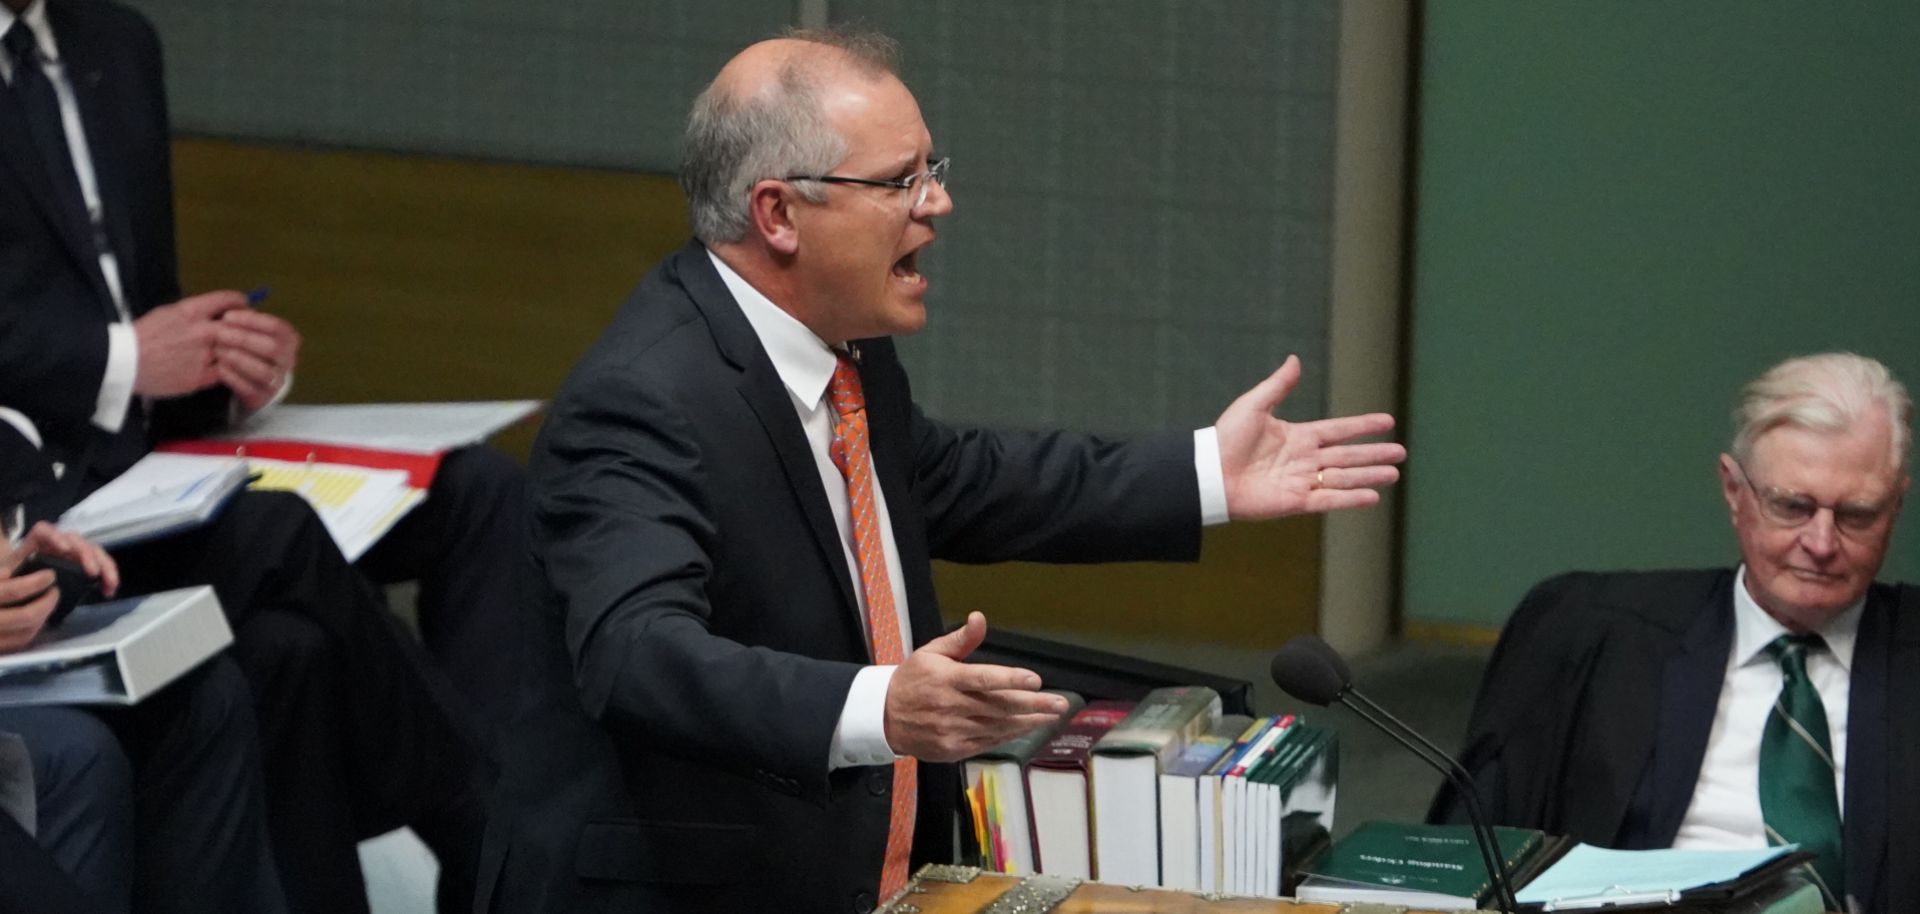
{"points": [[1588, 875]]}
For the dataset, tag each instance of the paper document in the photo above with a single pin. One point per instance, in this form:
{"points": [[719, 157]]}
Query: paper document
{"points": [[421, 428], [1594, 873], [161, 494], [357, 504]]}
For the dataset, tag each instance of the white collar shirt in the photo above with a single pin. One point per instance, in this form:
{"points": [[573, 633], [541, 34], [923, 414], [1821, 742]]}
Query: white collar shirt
{"points": [[1725, 809]]}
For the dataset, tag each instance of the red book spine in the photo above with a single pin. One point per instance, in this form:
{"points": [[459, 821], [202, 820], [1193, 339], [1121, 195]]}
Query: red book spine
{"points": [[1070, 747]]}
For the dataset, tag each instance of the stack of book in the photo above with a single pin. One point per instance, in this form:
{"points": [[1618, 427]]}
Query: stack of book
{"points": [[1168, 792]]}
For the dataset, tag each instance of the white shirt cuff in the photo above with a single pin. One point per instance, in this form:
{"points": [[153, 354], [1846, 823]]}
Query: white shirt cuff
{"points": [[861, 736], [19, 421], [116, 388], [1213, 480]]}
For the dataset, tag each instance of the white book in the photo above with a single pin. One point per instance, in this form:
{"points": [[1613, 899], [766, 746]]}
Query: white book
{"points": [[161, 494], [1060, 822], [1211, 865], [1125, 769], [1183, 793], [1179, 832], [117, 653]]}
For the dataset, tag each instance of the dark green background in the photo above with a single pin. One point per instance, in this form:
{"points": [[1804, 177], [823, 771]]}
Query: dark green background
{"points": [[1626, 209]]}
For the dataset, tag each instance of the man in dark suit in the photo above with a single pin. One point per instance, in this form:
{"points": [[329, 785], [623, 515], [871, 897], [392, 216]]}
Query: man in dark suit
{"points": [[736, 505], [101, 352], [352, 733], [101, 355], [1779, 700], [158, 805]]}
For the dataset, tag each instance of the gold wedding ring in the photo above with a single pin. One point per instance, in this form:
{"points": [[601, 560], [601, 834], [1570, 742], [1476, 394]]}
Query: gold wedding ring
{"points": [[1320, 479]]}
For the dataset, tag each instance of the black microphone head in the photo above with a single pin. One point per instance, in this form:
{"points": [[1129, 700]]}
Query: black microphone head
{"points": [[1338, 663], [1305, 672]]}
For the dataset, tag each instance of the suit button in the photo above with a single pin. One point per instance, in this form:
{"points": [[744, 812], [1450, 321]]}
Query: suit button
{"points": [[879, 781], [862, 902]]}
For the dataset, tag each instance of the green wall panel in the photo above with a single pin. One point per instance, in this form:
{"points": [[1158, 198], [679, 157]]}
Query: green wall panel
{"points": [[1624, 211]]}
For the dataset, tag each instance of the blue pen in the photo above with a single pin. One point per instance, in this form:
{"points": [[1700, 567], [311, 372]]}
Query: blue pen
{"points": [[255, 297]]}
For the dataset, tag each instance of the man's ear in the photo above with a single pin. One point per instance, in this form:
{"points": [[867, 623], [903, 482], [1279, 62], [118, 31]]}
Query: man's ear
{"points": [[769, 206], [1730, 486]]}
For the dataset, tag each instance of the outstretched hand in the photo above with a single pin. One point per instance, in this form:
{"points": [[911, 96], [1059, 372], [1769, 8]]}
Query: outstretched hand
{"points": [[1274, 468], [942, 709]]}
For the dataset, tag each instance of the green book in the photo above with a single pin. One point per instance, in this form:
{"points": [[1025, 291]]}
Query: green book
{"points": [[1419, 866]]}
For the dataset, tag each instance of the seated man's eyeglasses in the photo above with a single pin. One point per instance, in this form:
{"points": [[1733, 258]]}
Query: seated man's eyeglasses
{"points": [[1787, 508], [915, 185]]}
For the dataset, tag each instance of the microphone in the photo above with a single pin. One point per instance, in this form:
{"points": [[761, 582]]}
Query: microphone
{"points": [[1310, 670]]}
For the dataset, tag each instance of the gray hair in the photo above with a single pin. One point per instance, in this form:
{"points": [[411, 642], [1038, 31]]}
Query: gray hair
{"points": [[1828, 393], [733, 141]]}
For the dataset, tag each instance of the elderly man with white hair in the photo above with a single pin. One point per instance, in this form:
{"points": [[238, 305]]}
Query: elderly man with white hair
{"points": [[1774, 702]]}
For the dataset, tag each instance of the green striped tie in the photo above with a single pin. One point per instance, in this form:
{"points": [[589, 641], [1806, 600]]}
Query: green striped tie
{"points": [[1797, 796]]}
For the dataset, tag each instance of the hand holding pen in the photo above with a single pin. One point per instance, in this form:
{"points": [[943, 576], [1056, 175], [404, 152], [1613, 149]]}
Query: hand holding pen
{"points": [[255, 353]]}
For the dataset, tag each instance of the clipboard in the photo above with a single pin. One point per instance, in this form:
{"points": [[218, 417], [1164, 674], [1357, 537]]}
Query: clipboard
{"points": [[1734, 889]]}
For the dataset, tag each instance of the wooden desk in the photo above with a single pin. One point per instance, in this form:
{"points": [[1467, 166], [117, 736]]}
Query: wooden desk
{"points": [[965, 890]]}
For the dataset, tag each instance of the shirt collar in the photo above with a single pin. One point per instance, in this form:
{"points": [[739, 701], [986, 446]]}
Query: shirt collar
{"points": [[805, 363], [36, 19], [1754, 629]]}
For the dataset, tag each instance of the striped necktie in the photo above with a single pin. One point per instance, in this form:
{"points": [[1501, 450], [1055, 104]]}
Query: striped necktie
{"points": [[1797, 795], [851, 455]]}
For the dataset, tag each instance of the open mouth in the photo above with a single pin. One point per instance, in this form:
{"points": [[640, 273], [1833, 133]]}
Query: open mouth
{"points": [[908, 267]]}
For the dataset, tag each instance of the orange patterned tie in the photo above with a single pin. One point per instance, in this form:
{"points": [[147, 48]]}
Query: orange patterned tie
{"points": [[850, 454]]}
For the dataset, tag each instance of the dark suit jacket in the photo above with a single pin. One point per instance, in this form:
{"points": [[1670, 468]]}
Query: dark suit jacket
{"points": [[1593, 718], [26, 479], [710, 625], [54, 302]]}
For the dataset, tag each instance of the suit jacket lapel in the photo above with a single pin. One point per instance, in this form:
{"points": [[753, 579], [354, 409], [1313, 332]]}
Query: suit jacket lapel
{"points": [[96, 90], [764, 393], [23, 158], [1689, 697], [1868, 792]]}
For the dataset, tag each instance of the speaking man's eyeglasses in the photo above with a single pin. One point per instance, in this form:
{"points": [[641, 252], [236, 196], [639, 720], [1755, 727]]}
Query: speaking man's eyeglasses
{"points": [[916, 186]]}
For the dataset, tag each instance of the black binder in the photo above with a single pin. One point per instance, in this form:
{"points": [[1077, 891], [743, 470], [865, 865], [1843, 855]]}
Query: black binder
{"points": [[1099, 674]]}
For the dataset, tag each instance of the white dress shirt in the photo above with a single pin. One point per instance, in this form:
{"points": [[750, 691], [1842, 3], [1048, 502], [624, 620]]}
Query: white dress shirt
{"points": [[805, 365], [116, 386], [1725, 811]]}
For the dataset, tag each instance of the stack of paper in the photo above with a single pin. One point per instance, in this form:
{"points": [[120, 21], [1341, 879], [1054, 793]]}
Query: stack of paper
{"points": [[361, 466], [358, 505], [414, 428], [162, 494]]}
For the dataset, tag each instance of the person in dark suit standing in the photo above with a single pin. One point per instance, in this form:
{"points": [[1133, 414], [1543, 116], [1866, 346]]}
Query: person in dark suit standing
{"points": [[736, 502], [101, 355], [1777, 701]]}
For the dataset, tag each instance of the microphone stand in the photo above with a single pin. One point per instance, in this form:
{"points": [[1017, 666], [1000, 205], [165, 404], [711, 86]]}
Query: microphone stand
{"points": [[1489, 845]]}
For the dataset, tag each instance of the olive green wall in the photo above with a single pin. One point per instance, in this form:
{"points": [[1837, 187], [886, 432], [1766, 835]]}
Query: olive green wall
{"points": [[1626, 209]]}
